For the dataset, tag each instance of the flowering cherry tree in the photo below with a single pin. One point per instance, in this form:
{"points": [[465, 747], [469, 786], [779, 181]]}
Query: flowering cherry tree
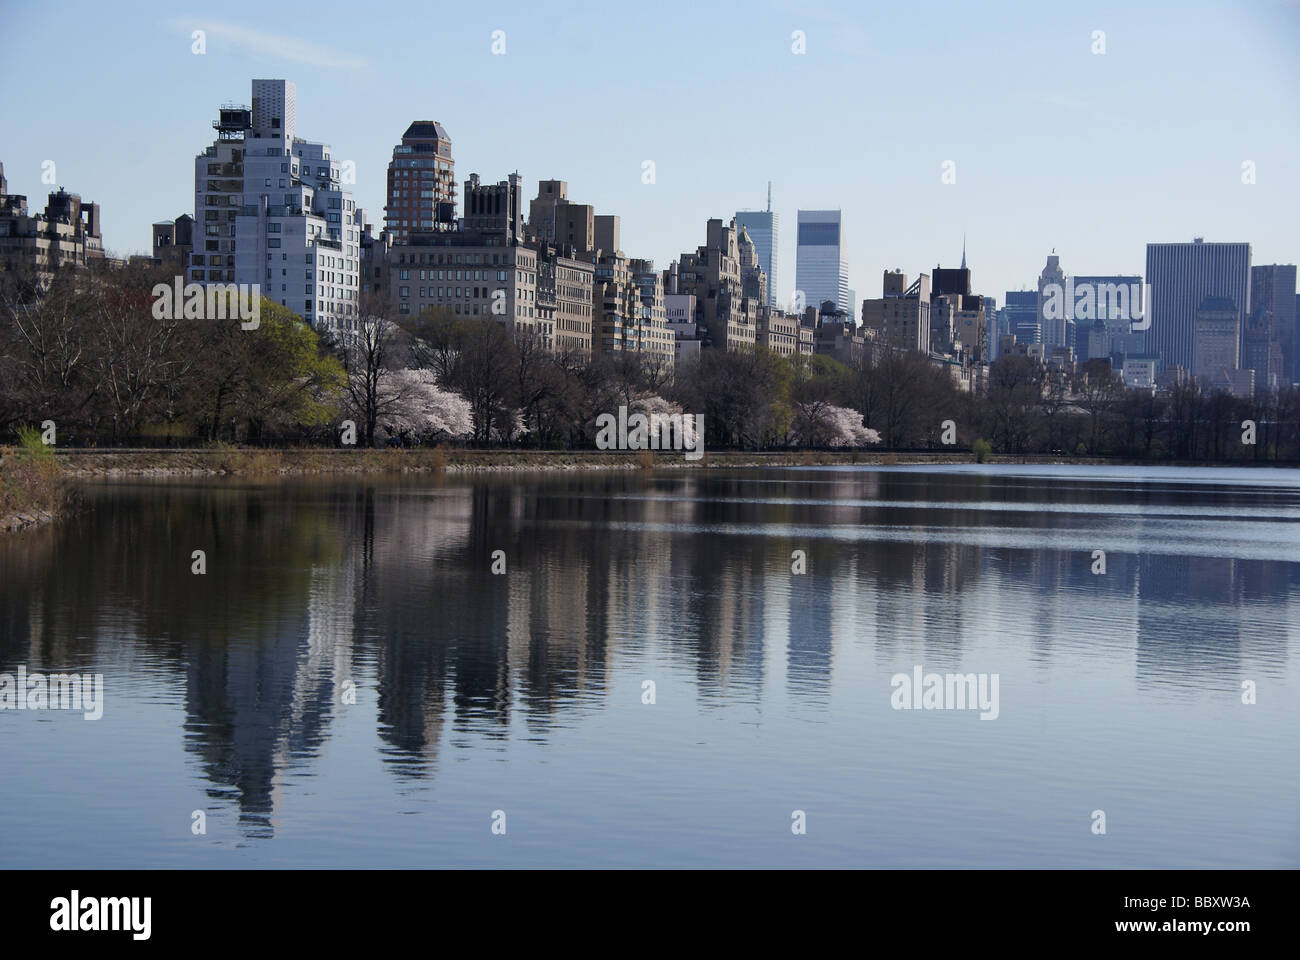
{"points": [[421, 410], [824, 424]]}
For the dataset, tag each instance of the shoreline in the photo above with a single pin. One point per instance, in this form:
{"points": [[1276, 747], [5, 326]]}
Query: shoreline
{"points": [[82, 464], [249, 462]]}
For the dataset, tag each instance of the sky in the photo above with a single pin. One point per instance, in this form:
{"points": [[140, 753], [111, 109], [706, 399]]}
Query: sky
{"points": [[1050, 144]]}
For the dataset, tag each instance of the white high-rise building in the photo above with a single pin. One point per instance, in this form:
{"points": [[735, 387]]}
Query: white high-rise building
{"points": [[820, 271], [270, 209]]}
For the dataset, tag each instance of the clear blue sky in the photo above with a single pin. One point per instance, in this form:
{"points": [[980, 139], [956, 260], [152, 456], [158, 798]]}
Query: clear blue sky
{"points": [[1054, 146]]}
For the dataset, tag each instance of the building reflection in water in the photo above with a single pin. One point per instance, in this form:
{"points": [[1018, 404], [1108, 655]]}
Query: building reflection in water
{"points": [[316, 589]]}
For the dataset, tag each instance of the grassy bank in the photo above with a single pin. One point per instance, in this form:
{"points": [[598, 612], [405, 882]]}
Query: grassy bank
{"points": [[31, 483], [35, 480], [252, 462]]}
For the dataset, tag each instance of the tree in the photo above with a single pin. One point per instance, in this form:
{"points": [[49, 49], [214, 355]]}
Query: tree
{"points": [[483, 373], [1184, 413], [291, 380], [45, 352], [1098, 389], [1016, 386], [424, 411], [743, 395], [435, 337], [828, 425], [367, 354]]}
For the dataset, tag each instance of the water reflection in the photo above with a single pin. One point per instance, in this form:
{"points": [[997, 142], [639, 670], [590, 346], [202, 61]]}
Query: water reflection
{"points": [[319, 593]]}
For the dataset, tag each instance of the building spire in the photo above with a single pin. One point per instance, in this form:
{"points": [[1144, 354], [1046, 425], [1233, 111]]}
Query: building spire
{"points": [[963, 250]]}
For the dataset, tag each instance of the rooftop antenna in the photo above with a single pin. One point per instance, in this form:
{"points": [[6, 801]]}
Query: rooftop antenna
{"points": [[769, 196]]}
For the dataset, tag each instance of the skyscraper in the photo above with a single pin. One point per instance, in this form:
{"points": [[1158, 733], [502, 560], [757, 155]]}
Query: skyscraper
{"points": [[269, 209], [763, 231], [1022, 315], [1273, 291], [1180, 277], [421, 183], [820, 270], [1053, 329]]}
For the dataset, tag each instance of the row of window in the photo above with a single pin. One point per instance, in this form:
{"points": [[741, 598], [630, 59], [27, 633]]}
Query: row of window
{"points": [[453, 275], [467, 259], [463, 293], [473, 310], [416, 168]]}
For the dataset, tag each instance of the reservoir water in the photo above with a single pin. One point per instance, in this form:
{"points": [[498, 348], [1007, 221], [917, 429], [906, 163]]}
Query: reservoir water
{"points": [[662, 669]]}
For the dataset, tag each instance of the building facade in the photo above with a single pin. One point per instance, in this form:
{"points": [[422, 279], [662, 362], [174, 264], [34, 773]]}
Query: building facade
{"points": [[1022, 316], [564, 287], [482, 270], [66, 234], [1180, 276], [901, 316], [270, 209], [421, 183], [1052, 329], [820, 270], [763, 227], [173, 241], [1273, 298], [726, 318], [1217, 353]]}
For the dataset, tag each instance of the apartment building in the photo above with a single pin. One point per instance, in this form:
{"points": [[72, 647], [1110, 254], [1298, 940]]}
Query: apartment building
{"points": [[481, 270], [270, 209], [66, 234], [421, 183], [726, 317], [901, 316], [564, 295]]}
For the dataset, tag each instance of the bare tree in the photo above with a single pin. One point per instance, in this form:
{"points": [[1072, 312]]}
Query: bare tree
{"points": [[367, 354]]}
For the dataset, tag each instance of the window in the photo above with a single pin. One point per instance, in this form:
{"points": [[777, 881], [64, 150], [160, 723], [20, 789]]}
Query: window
{"points": [[273, 241]]}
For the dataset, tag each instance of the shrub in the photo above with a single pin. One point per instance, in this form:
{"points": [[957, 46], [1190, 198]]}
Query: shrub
{"points": [[29, 475]]}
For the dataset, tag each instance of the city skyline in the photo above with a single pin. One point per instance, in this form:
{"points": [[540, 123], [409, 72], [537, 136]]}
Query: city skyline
{"points": [[898, 210]]}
